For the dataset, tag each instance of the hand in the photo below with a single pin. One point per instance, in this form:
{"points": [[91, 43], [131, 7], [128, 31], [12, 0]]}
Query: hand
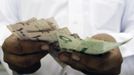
{"points": [[24, 56], [105, 64]]}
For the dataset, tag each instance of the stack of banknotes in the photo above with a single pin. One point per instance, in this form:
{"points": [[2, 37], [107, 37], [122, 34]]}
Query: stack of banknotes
{"points": [[48, 30]]}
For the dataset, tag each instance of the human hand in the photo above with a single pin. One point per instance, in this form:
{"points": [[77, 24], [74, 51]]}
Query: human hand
{"points": [[23, 56], [104, 64]]}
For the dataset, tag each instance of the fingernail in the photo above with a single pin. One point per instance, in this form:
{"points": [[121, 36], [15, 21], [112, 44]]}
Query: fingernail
{"points": [[64, 57], [75, 57], [45, 47]]}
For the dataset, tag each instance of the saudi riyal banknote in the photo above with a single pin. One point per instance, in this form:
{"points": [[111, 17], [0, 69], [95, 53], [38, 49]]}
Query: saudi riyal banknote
{"points": [[90, 46]]}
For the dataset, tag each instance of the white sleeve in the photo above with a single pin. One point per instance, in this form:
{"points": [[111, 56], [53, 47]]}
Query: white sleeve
{"points": [[8, 15], [126, 29]]}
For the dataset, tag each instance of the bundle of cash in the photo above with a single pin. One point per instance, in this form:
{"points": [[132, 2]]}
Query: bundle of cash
{"points": [[33, 29], [47, 30]]}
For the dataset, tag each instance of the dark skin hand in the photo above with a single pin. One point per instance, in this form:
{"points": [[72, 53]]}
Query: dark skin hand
{"points": [[24, 56], [105, 64]]}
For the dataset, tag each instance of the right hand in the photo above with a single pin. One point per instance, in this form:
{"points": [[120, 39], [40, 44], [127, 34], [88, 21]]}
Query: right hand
{"points": [[23, 56]]}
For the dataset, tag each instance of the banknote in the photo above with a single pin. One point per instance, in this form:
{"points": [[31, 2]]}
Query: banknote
{"points": [[48, 30], [90, 46], [33, 28]]}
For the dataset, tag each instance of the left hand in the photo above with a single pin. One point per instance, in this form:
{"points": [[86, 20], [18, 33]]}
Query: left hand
{"points": [[105, 64]]}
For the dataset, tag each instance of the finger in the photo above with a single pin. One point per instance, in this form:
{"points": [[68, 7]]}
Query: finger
{"points": [[25, 70], [17, 46], [33, 46], [91, 63], [80, 62], [11, 44], [104, 37], [23, 61], [74, 63]]}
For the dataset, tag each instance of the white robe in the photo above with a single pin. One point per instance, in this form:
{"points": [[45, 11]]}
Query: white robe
{"points": [[85, 17]]}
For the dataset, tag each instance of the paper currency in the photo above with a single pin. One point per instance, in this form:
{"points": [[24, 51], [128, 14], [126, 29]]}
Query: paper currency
{"points": [[34, 29], [90, 46], [47, 30], [52, 35]]}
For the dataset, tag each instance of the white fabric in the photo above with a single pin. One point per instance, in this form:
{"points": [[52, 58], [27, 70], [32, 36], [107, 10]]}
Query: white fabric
{"points": [[85, 17]]}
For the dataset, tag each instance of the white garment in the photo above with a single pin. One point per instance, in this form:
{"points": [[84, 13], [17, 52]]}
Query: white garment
{"points": [[85, 17]]}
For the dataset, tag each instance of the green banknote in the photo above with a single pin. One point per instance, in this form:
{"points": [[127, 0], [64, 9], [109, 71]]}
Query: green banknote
{"points": [[87, 46]]}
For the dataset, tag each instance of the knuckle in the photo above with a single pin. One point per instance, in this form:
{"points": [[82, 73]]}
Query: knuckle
{"points": [[10, 43], [11, 39]]}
